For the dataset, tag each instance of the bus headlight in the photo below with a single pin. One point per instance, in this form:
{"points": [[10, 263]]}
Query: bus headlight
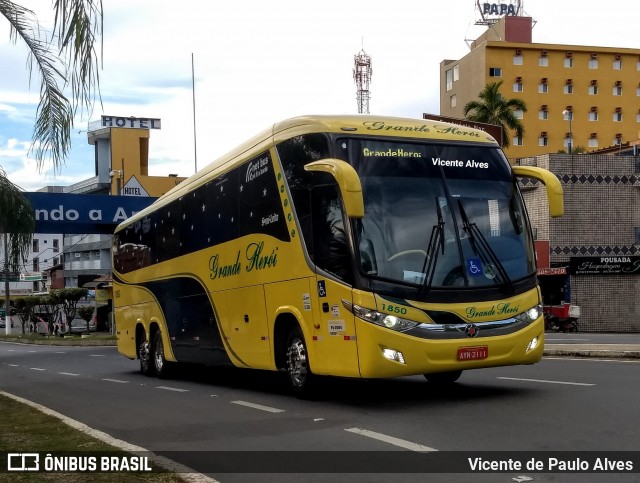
{"points": [[530, 315], [388, 321]]}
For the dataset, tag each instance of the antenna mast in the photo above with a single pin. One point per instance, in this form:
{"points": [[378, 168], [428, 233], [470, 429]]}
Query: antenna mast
{"points": [[362, 76]]}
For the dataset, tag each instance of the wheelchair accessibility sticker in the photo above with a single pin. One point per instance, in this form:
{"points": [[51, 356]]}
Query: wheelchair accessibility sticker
{"points": [[474, 267]]}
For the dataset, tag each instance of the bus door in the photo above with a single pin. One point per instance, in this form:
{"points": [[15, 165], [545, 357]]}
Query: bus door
{"points": [[244, 323], [335, 334]]}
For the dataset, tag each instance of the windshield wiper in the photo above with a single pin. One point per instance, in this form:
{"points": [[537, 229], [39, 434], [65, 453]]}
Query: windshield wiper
{"points": [[436, 243], [483, 249]]}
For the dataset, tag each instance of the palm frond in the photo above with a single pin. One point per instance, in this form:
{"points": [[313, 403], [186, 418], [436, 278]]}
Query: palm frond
{"points": [[77, 25]]}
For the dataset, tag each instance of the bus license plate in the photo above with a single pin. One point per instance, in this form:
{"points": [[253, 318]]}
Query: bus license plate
{"points": [[473, 353]]}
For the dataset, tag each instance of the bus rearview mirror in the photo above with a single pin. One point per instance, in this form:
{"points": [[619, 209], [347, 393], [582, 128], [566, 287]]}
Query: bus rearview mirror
{"points": [[348, 182], [552, 183]]}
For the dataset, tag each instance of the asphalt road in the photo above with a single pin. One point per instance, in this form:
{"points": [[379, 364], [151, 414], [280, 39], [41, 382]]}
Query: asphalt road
{"points": [[560, 408]]}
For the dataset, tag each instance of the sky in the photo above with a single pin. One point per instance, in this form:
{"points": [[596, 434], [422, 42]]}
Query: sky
{"points": [[256, 63]]}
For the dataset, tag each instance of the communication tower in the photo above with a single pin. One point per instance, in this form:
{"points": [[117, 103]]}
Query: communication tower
{"points": [[362, 76]]}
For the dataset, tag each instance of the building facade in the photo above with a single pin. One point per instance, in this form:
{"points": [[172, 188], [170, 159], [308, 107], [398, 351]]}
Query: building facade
{"points": [[577, 97], [595, 246]]}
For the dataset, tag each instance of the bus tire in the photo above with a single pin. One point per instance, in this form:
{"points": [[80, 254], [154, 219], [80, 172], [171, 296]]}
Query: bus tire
{"points": [[443, 378], [160, 364], [301, 379], [144, 354]]}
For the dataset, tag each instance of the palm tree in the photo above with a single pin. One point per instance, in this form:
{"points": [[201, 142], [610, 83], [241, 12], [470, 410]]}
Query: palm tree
{"points": [[64, 59], [494, 108]]}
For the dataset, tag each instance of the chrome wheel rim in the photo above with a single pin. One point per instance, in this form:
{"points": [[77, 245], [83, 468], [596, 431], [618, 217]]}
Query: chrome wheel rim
{"points": [[159, 354], [297, 362], [144, 355]]}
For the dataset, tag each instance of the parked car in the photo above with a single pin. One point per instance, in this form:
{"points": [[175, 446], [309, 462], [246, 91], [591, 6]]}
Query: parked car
{"points": [[79, 326], [3, 318]]}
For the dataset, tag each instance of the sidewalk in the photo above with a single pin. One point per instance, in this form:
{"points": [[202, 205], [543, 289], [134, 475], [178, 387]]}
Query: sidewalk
{"points": [[611, 346]]}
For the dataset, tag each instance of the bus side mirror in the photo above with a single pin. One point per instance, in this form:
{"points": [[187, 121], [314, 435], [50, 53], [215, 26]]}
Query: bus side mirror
{"points": [[551, 182], [348, 182]]}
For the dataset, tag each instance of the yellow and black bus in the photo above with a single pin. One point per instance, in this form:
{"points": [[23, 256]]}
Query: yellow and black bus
{"points": [[355, 246]]}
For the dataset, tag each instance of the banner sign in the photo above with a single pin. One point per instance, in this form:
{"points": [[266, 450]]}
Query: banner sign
{"points": [[609, 265], [69, 214]]}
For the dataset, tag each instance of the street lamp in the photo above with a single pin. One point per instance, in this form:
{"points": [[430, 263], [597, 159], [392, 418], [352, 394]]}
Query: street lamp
{"points": [[568, 115], [120, 176]]}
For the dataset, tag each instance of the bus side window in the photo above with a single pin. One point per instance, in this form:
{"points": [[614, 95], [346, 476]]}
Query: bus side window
{"points": [[329, 237]]}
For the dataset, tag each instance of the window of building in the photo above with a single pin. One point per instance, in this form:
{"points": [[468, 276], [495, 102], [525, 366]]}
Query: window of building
{"points": [[638, 91], [35, 245], [593, 63], [517, 141], [617, 90], [593, 142], [517, 59], [617, 64], [543, 141], [543, 61], [449, 79], [567, 142], [495, 72], [593, 116], [568, 62], [543, 88], [456, 72], [517, 87], [616, 141], [56, 245], [36, 264], [518, 114], [453, 101], [568, 89], [638, 117], [544, 115], [617, 117], [56, 260], [593, 90]]}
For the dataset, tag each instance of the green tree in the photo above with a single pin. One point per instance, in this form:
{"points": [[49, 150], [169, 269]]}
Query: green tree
{"points": [[25, 307], [493, 108], [86, 313], [66, 300]]}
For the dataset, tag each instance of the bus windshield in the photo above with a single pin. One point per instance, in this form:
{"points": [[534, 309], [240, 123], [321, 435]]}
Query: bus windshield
{"points": [[439, 215]]}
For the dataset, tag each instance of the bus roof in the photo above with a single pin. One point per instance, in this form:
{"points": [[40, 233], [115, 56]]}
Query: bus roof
{"points": [[345, 124]]}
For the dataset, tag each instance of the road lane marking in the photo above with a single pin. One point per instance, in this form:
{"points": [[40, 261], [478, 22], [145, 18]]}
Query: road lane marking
{"points": [[13, 365], [68, 374], [391, 440], [120, 381], [174, 389], [37, 369], [96, 355], [546, 381], [258, 406]]}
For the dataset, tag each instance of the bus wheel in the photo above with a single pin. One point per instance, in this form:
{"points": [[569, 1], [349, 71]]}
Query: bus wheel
{"points": [[160, 364], [144, 354], [301, 379], [443, 378]]}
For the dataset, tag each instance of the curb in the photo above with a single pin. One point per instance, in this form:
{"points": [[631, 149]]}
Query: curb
{"points": [[593, 353]]}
